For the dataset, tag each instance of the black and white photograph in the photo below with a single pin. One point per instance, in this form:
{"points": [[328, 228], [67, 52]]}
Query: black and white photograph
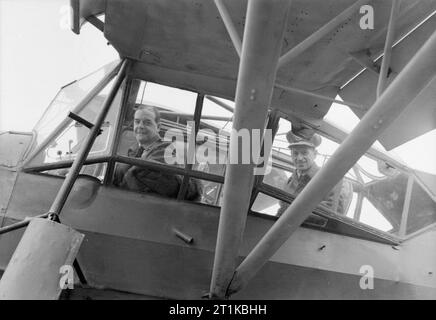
{"points": [[218, 155]]}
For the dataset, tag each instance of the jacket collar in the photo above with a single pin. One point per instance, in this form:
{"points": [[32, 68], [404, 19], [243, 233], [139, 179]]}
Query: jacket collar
{"points": [[310, 173]]}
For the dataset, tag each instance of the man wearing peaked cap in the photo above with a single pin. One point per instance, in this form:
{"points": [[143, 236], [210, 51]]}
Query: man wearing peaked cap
{"points": [[303, 146]]}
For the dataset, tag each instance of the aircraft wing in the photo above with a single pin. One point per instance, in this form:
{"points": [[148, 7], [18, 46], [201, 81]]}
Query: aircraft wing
{"points": [[185, 44], [420, 115]]}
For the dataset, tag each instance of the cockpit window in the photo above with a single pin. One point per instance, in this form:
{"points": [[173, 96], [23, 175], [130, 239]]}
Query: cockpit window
{"points": [[152, 130], [422, 210], [266, 204], [296, 161], [64, 142], [68, 99], [371, 193], [213, 136], [166, 98], [154, 135]]}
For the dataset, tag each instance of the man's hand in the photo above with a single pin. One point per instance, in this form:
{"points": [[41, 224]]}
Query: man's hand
{"points": [[145, 180]]}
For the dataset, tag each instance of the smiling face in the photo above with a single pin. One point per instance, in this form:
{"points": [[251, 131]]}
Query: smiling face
{"points": [[303, 157], [145, 127]]}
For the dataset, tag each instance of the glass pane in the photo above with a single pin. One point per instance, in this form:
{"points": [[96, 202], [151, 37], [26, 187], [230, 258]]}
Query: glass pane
{"points": [[211, 150], [369, 169], [280, 144], [371, 192], [212, 109], [267, 205], [176, 126], [160, 112], [167, 98], [372, 216], [422, 210], [272, 207], [351, 212], [277, 177], [292, 178], [66, 100], [383, 203], [68, 142], [210, 192]]}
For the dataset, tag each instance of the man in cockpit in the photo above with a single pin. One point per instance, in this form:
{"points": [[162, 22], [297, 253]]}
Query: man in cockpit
{"points": [[150, 147], [303, 153]]}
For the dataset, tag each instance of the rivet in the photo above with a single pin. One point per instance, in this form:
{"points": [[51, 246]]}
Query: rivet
{"points": [[253, 94]]}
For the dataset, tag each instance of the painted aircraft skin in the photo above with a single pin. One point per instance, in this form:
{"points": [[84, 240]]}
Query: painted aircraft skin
{"points": [[131, 247]]}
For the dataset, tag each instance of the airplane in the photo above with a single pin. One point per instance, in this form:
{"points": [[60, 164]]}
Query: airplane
{"points": [[248, 64]]}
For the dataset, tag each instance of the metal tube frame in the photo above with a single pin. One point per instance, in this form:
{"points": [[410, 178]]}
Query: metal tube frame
{"points": [[263, 38], [65, 164], [80, 106], [96, 22], [327, 213], [365, 61], [167, 168], [320, 96], [230, 26], [187, 115], [191, 148], [21, 224], [415, 76], [68, 183], [220, 103], [273, 125], [125, 102], [390, 37], [338, 136], [406, 205]]}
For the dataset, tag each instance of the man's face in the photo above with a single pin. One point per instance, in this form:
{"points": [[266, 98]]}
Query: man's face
{"points": [[145, 126], [303, 157]]}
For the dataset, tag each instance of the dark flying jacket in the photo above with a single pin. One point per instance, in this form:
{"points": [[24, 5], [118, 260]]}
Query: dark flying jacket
{"points": [[152, 181]]}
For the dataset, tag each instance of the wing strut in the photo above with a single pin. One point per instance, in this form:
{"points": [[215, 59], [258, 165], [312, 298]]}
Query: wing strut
{"points": [[417, 74], [230, 26], [390, 37], [47, 246], [320, 96], [263, 38], [220, 103]]}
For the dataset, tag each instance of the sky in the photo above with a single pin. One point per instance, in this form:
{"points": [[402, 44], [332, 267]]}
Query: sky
{"points": [[39, 54]]}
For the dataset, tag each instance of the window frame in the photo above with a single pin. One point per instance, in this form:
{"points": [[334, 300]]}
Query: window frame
{"points": [[129, 91], [373, 233]]}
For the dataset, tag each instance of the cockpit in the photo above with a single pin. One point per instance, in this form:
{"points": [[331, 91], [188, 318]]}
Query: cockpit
{"points": [[385, 200]]}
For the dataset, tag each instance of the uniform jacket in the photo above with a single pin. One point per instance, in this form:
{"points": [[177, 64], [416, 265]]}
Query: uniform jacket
{"points": [[336, 200]]}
